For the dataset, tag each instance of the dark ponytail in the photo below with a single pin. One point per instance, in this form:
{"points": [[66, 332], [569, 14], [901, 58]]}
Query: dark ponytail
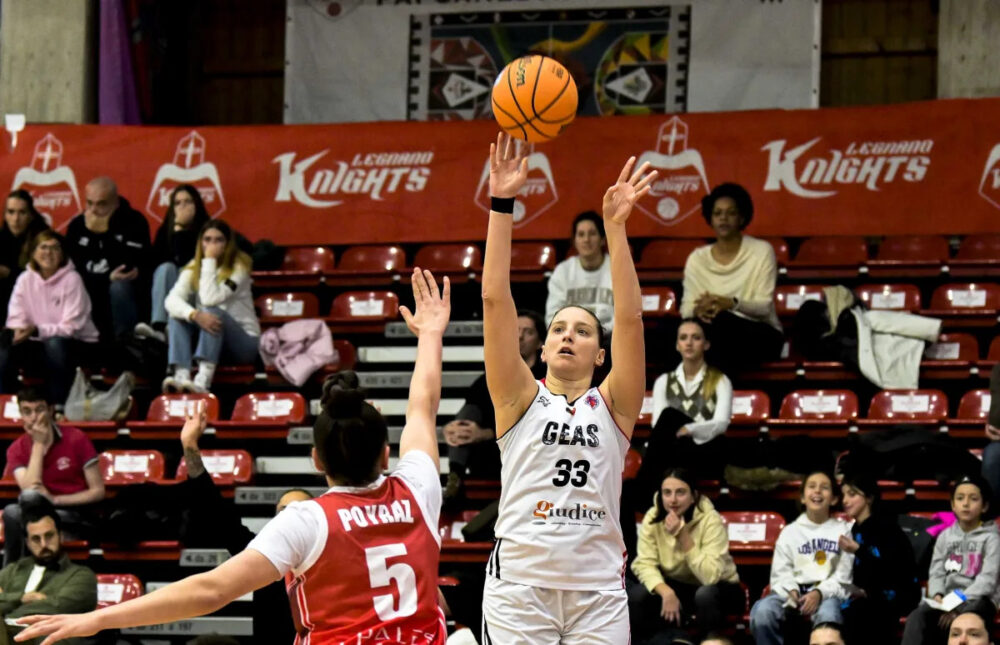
{"points": [[349, 434]]}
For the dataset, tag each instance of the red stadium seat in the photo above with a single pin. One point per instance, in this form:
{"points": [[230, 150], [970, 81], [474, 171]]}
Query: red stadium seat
{"points": [[972, 304], [752, 535], [227, 467], [167, 413], [460, 262], [289, 305], [781, 253], [302, 266], [633, 461], [789, 297], [970, 420], [830, 257], [892, 297], [816, 412], [369, 265], [531, 261], [363, 311], [114, 588], [454, 548], [658, 302], [954, 355], [263, 415], [978, 255], [892, 407], [910, 256], [124, 467], [751, 409], [665, 259]]}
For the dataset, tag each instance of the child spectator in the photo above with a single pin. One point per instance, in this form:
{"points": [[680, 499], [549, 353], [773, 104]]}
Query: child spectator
{"points": [[48, 320], [729, 285], [809, 570], [885, 571], [21, 222], [585, 279], [173, 248], [683, 562], [211, 300], [966, 559]]}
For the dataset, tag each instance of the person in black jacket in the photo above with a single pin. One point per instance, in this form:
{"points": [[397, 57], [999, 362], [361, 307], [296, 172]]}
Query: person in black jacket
{"points": [[21, 222], [109, 244], [885, 571], [173, 248]]}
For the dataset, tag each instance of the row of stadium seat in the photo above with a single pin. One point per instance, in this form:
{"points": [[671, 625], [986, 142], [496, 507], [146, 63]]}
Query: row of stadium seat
{"points": [[833, 256]]}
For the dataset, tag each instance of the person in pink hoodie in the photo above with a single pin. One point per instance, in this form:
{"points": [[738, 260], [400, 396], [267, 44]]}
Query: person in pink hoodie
{"points": [[48, 320]]}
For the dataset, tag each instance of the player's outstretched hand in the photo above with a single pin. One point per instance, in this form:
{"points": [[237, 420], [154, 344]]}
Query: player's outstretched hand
{"points": [[508, 170], [630, 188], [432, 308], [58, 627], [195, 421]]}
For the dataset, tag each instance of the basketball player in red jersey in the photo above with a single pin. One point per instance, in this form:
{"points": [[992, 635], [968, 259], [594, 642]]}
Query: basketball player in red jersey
{"points": [[361, 561]]}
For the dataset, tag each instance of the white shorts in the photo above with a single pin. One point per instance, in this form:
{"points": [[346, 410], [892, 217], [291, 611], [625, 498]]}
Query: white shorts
{"points": [[515, 614]]}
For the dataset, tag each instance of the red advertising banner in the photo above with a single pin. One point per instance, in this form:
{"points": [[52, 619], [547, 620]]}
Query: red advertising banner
{"points": [[918, 168]]}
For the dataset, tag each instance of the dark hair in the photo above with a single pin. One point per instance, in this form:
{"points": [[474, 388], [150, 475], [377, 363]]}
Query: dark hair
{"points": [[829, 625], [976, 480], [866, 484], [42, 236], [818, 471], [38, 511], [25, 197], [349, 434], [685, 476], [694, 321], [201, 215], [590, 216], [31, 395], [535, 318], [597, 321], [735, 192]]}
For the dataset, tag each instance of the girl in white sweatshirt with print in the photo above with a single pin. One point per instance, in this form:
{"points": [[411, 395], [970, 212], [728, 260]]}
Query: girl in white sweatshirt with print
{"points": [[809, 571]]}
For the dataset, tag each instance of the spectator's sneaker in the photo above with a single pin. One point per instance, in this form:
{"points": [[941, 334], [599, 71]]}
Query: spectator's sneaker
{"points": [[143, 330], [179, 381], [203, 379]]}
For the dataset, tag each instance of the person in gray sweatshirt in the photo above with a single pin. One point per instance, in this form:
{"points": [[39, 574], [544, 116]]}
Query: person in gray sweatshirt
{"points": [[966, 559]]}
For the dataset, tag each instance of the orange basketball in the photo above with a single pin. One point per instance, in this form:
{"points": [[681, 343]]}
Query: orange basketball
{"points": [[534, 98]]}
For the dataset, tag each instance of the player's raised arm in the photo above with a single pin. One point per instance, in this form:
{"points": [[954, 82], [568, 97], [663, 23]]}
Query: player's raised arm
{"points": [[508, 377], [432, 309], [625, 385]]}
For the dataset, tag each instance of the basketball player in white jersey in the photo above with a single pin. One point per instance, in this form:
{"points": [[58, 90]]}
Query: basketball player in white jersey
{"points": [[556, 573], [360, 562]]}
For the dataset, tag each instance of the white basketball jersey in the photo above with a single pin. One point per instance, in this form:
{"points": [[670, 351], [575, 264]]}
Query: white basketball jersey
{"points": [[562, 482]]}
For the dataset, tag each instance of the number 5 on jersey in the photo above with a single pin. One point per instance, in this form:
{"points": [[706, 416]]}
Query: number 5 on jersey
{"points": [[380, 575], [568, 472]]}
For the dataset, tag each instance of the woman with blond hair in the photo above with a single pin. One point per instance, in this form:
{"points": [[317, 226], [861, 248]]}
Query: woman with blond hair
{"points": [[212, 316]]}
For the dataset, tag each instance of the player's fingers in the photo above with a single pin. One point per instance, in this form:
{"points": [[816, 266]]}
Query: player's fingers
{"points": [[446, 291], [419, 287], [508, 152], [432, 286], [642, 193], [493, 155], [524, 165], [645, 181], [626, 169], [405, 313], [639, 172]]}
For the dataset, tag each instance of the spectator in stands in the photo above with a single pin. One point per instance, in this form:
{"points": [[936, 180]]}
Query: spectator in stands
{"points": [[109, 244], [729, 285], [692, 406], [966, 559], [21, 222], [48, 320], [211, 300], [830, 634], [585, 279], [809, 570], [213, 522], [969, 629], [991, 454], [683, 562], [58, 463], [471, 437], [713, 639], [45, 582], [885, 570], [173, 249]]}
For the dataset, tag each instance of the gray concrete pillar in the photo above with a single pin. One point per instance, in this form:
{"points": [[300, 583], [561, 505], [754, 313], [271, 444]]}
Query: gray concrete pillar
{"points": [[968, 56]]}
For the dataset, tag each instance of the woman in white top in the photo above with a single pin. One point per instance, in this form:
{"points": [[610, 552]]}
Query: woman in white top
{"points": [[556, 574], [211, 300], [729, 285], [584, 279]]}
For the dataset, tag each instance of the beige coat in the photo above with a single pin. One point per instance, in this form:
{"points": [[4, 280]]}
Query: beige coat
{"points": [[707, 563]]}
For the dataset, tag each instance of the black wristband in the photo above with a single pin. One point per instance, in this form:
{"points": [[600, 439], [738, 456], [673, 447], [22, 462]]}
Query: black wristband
{"points": [[502, 205]]}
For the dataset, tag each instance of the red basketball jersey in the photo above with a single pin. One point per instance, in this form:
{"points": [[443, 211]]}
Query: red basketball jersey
{"points": [[376, 580]]}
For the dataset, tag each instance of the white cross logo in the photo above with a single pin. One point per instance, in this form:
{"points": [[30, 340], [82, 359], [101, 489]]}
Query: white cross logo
{"points": [[189, 151], [674, 136], [47, 155]]}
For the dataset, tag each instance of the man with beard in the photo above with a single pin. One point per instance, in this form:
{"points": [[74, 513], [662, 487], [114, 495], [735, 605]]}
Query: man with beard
{"points": [[45, 582]]}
